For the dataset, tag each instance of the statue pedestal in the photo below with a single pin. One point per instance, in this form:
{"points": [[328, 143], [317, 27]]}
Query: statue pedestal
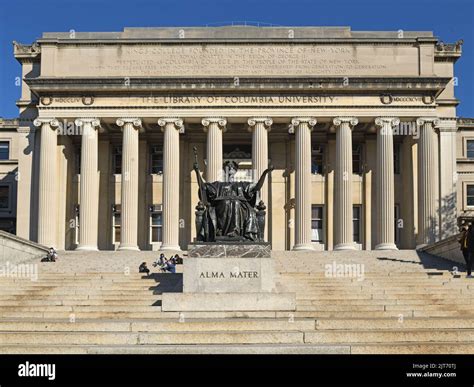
{"points": [[223, 249], [228, 277]]}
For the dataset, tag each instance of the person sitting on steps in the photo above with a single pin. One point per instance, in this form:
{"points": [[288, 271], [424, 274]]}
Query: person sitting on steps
{"points": [[160, 262], [144, 269], [170, 266], [51, 255]]}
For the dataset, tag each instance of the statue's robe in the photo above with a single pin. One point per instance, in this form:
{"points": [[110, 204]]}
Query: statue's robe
{"points": [[230, 211]]}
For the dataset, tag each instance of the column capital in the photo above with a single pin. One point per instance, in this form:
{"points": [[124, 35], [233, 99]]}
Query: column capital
{"points": [[447, 124], [384, 121], [434, 121], [94, 122], [175, 121], [220, 121], [136, 122], [352, 121], [296, 121], [267, 122], [52, 122]]}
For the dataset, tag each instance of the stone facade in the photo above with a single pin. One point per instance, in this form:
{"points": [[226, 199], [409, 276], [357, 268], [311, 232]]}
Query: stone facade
{"points": [[360, 127]]}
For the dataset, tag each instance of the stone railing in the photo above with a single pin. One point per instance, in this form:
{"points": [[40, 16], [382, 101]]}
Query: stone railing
{"points": [[447, 248], [448, 51], [465, 122], [14, 249], [8, 122]]}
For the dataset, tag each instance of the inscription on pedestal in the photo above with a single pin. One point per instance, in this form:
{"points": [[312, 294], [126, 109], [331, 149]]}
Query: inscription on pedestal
{"points": [[228, 275], [237, 275]]}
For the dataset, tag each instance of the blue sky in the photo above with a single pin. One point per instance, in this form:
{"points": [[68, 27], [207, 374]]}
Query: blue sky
{"points": [[25, 21]]}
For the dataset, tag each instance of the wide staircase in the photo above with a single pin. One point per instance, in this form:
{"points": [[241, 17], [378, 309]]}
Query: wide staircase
{"points": [[397, 302]]}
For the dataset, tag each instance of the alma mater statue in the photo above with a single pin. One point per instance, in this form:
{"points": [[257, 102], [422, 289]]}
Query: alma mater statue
{"points": [[226, 211]]}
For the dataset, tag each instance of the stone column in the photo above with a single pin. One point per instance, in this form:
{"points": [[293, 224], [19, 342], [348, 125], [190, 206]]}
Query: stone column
{"points": [[260, 126], [129, 199], [47, 193], [448, 176], [427, 181], [302, 128], [171, 127], [27, 138], [89, 184], [343, 183], [385, 183], [214, 126]]}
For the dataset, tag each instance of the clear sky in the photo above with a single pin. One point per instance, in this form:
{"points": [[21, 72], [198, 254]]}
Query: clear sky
{"points": [[25, 20]]}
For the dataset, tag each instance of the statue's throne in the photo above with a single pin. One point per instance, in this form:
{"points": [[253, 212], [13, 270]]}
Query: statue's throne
{"points": [[260, 210]]}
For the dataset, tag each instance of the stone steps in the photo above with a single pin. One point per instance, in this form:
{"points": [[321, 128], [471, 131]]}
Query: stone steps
{"points": [[87, 304], [155, 315], [346, 337], [384, 301], [135, 338], [395, 324], [119, 307], [395, 348], [289, 315], [391, 336], [162, 325], [434, 348], [179, 349], [329, 305]]}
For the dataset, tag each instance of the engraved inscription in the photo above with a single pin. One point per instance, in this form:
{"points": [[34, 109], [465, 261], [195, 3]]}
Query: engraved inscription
{"points": [[240, 60]]}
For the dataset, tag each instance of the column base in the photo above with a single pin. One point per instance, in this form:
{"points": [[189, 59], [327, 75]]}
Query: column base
{"points": [[345, 246], [128, 248], [303, 247], [170, 248], [386, 246], [86, 248]]}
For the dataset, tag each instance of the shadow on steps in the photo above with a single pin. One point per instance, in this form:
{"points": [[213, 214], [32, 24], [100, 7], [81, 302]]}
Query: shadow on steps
{"points": [[428, 262], [166, 282]]}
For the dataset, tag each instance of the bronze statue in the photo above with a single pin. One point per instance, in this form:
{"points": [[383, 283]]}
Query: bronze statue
{"points": [[226, 211]]}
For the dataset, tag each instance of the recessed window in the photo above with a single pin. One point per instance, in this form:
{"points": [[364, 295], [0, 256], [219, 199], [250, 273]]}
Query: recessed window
{"points": [[397, 229], [78, 160], [470, 149], [317, 224], [396, 158], [4, 197], [76, 224], [356, 223], [156, 162], [470, 194], [4, 150], [357, 159], [117, 158], [8, 225], [156, 226], [117, 219], [317, 155]]}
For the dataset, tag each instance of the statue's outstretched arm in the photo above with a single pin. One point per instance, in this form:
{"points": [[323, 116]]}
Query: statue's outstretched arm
{"points": [[200, 180], [262, 178]]}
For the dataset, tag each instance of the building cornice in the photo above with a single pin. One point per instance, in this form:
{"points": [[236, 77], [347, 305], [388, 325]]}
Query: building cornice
{"points": [[145, 41], [43, 85]]}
